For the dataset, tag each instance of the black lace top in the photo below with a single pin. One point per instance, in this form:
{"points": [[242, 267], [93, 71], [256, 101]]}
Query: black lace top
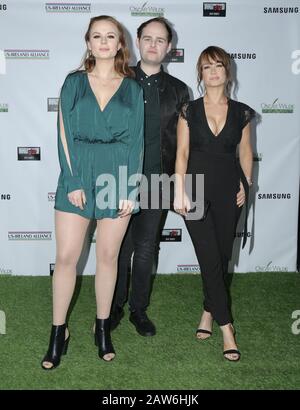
{"points": [[201, 136]]}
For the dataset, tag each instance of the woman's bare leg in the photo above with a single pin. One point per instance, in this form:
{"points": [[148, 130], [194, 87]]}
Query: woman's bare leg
{"points": [[110, 233], [70, 231]]}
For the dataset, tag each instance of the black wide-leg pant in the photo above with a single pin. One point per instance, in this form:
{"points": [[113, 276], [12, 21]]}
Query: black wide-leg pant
{"points": [[214, 265]]}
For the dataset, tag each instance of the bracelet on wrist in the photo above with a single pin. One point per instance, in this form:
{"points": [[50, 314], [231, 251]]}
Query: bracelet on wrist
{"points": [[249, 180]]}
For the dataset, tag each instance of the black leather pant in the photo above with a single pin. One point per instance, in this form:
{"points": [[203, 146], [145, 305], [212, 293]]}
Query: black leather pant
{"points": [[142, 241]]}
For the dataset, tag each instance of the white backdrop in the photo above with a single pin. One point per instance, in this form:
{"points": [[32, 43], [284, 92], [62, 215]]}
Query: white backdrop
{"points": [[41, 42]]}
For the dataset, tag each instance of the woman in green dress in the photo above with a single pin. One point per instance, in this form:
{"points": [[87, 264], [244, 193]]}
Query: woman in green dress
{"points": [[100, 144]]}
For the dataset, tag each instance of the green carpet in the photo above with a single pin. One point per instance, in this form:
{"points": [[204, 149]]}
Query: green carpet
{"points": [[262, 306]]}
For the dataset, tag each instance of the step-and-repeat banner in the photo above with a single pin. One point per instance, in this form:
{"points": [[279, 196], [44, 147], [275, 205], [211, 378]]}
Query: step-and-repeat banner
{"points": [[40, 42]]}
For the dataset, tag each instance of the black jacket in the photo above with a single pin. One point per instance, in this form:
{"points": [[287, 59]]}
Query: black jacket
{"points": [[172, 94]]}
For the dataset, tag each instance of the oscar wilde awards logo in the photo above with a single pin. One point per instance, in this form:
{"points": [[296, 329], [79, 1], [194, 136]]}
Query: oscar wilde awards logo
{"points": [[30, 236], [68, 7], [3, 107], [277, 108], [52, 104], [146, 10], [27, 54], [271, 268], [214, 9], [176, 55], [29, 153]]}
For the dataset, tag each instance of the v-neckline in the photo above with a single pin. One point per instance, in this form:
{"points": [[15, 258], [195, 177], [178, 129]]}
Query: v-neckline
{"points": [[206, 121], [94, 95]]}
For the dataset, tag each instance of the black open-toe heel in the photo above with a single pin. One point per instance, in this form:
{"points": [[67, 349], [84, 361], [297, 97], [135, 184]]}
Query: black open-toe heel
{"points": [[232, 351], [58, 346], [203, 331], [103, 338]]}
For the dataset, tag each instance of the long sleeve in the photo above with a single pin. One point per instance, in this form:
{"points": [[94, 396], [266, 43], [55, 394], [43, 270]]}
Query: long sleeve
{"points": [[136, 145], [66, 150]]}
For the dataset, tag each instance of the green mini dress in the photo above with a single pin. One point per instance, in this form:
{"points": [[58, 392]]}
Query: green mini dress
{"points": [[100, 151]]}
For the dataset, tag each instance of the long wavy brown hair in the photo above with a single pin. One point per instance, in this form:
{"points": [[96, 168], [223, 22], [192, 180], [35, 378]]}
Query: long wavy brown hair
{"points": [[122, 56]]}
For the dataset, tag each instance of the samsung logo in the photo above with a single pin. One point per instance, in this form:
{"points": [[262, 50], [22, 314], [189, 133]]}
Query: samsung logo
{"points": [[274, 196], [281, 10], [242, 56]]}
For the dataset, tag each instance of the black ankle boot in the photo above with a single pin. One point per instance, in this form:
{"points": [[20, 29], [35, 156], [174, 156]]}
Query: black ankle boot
{"points": [[103, 339], [58, 346]]}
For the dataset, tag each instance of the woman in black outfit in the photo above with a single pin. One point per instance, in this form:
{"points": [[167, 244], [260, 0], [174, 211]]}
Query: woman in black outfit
{"points": [[209, 131]]}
